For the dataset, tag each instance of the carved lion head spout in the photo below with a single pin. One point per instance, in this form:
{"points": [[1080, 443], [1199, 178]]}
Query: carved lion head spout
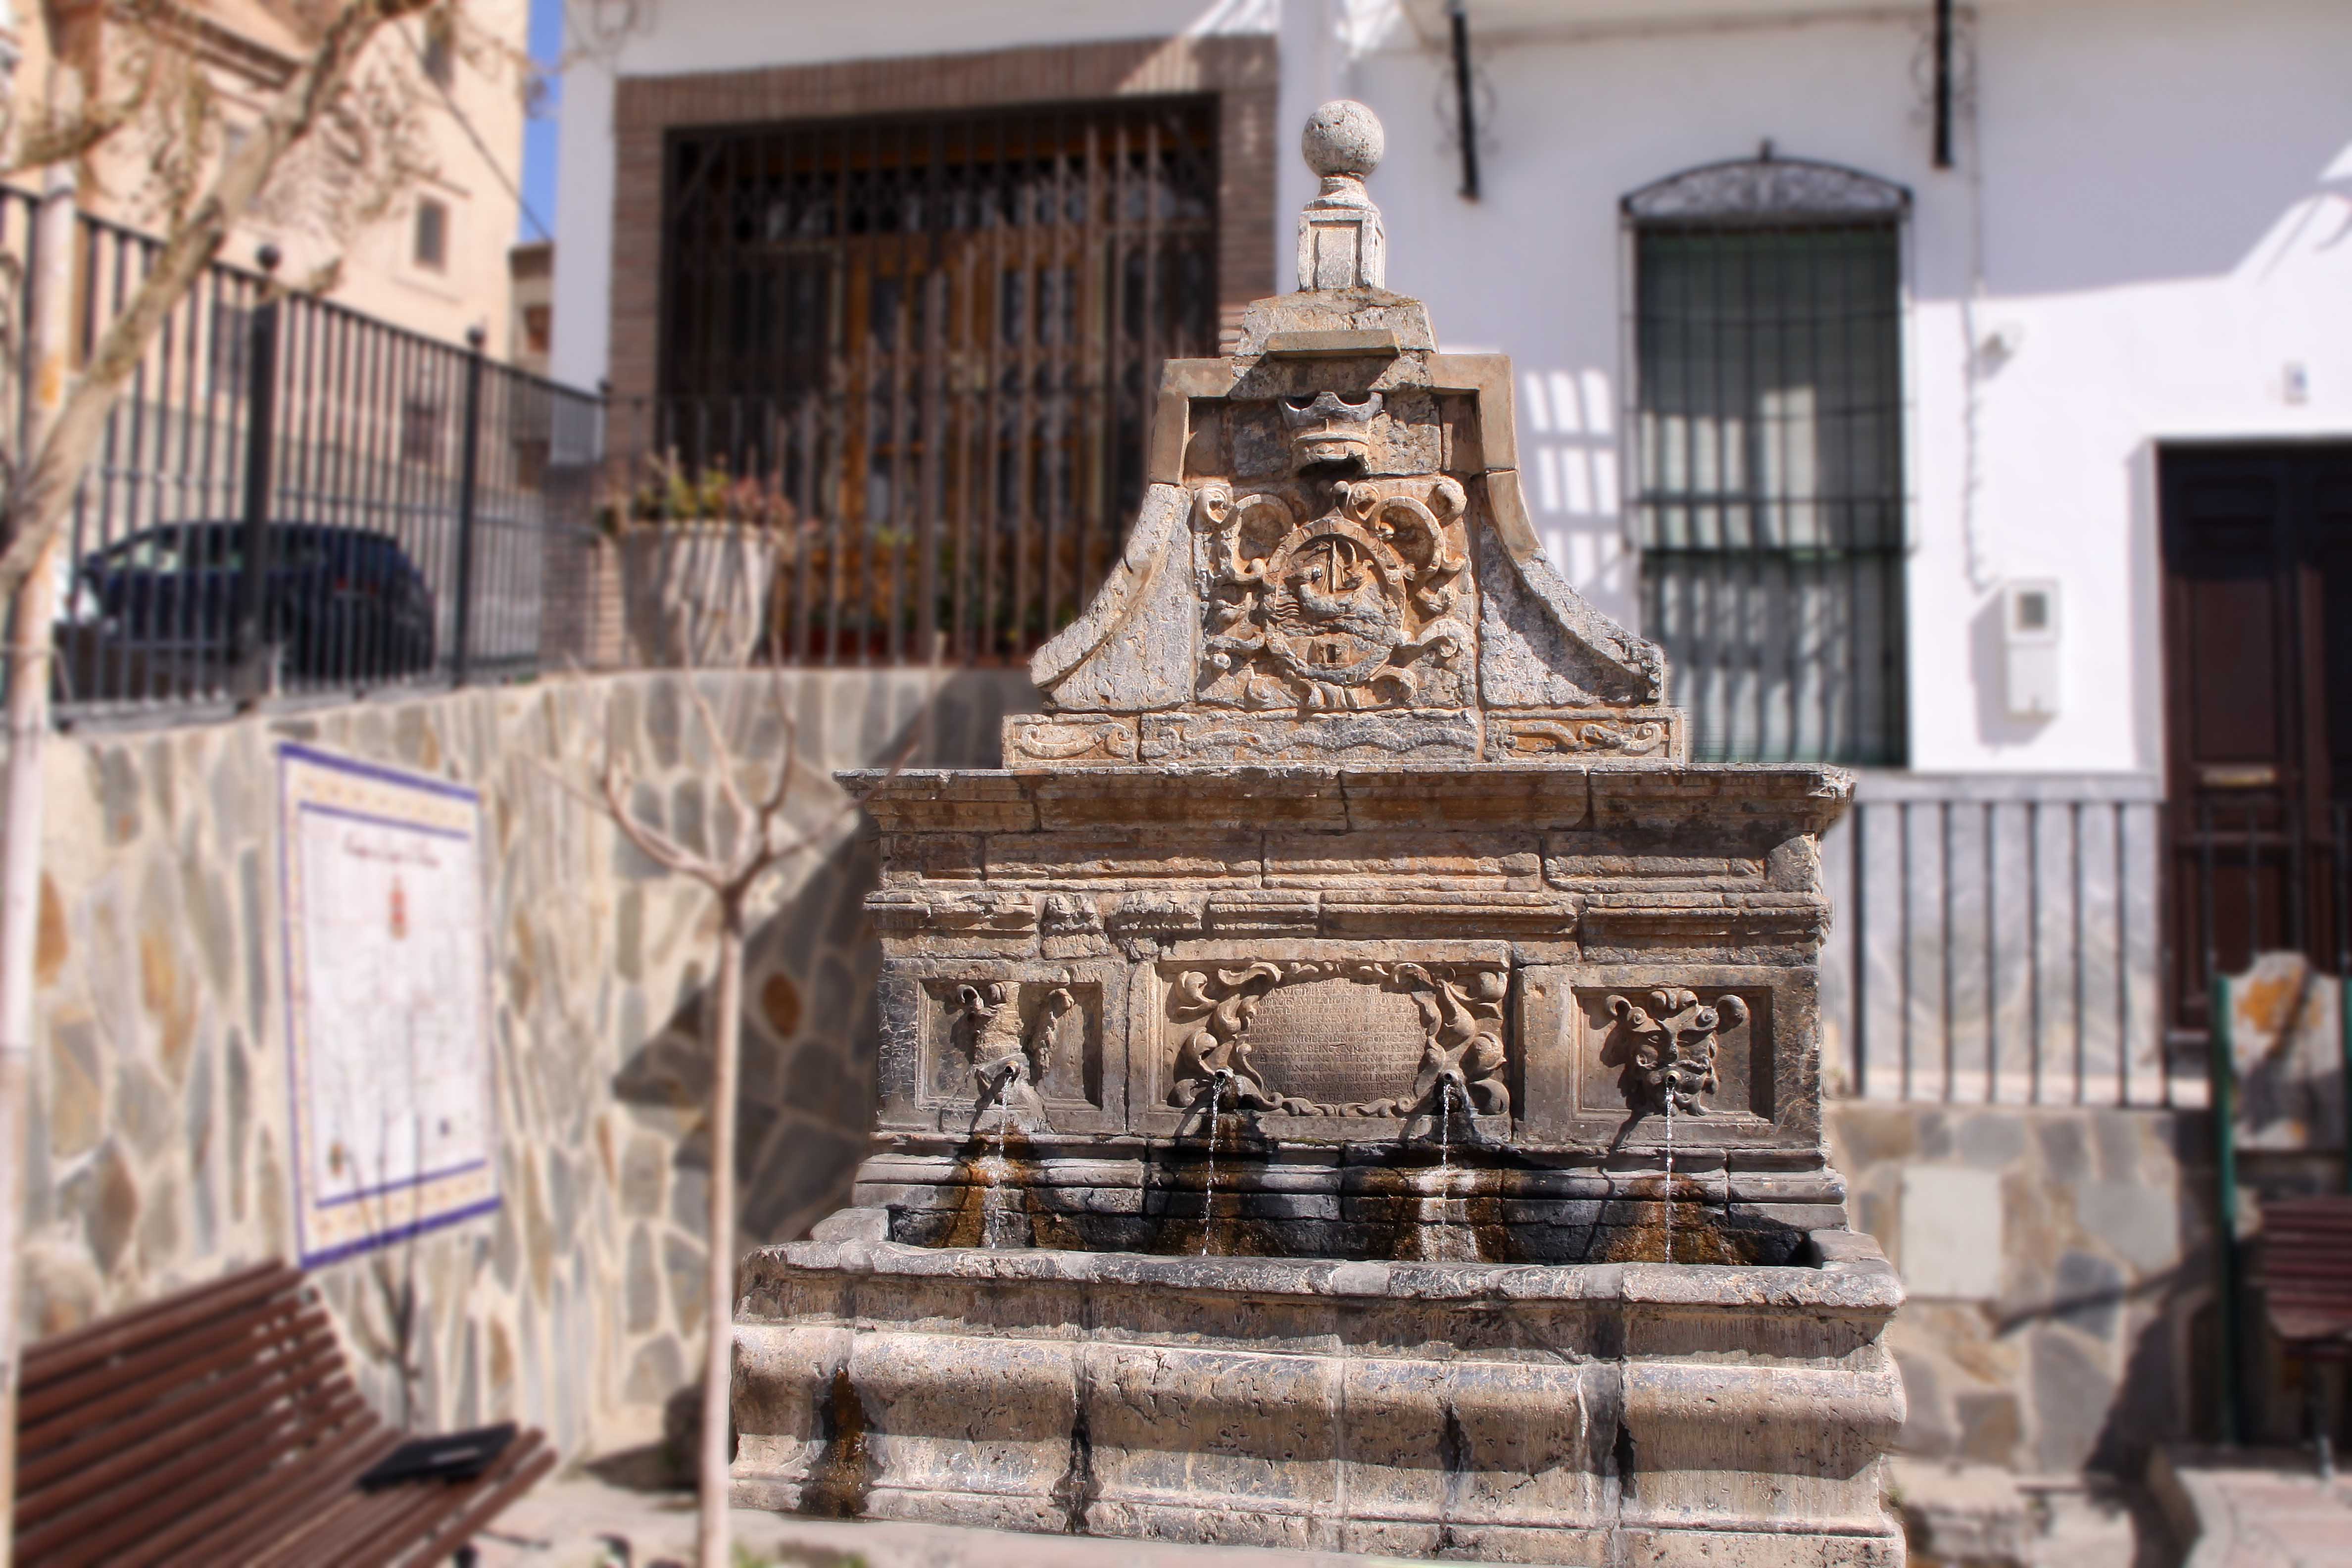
{"points": [[1009, 1072], [1667, 1049], [1330, 433]]}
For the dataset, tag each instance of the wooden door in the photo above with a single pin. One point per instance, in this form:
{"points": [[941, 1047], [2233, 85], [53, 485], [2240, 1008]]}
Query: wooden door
{"points": [[2258, 673]]}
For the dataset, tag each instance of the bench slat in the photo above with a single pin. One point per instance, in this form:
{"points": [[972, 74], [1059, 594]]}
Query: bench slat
{"points": [[110, 1519], [2306, 1271], [150, 1456], [96, 1376], [398, 1516], [389, 1525], [63, 1354], [72, 1437], [492, 1501], [269, 1507], [221, 1425]]}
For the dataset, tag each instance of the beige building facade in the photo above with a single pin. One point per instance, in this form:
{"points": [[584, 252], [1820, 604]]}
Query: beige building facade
{"points": [[427, 251]]}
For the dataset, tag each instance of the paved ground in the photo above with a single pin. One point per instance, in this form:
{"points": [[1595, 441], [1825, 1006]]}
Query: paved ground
{"points": [[580, 1521], [574, 1523], [2257, 1509]]}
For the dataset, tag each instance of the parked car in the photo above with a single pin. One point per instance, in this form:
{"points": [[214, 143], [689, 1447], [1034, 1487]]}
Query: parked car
{"points": [[344, 604]]}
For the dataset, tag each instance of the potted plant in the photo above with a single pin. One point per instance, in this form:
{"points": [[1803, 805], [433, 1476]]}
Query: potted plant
{"points": [[700, 552]]}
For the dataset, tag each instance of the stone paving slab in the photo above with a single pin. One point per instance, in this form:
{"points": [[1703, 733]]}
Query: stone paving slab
{"points": [[2254, 1509], [563, 1524]]}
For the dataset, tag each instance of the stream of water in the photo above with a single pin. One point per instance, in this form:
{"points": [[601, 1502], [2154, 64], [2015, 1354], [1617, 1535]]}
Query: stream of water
{"points": [[992, 1216], [1670, 1172], [1445, 1171], [1208, 1181]]}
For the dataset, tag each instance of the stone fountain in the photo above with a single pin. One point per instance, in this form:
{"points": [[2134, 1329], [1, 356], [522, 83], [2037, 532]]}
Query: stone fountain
{"points": [[1348, 1081]]}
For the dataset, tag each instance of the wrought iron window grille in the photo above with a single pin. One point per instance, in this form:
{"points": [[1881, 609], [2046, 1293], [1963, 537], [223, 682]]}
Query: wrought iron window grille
{"points": [[939, 337], [1764, 329]]}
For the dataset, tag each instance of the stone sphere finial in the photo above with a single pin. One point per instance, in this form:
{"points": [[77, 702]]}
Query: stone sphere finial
{"points": [[1343, 137]]}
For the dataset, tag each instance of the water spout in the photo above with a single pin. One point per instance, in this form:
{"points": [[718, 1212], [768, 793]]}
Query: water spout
{"points": [[995, 1080], [1435, 1238]]}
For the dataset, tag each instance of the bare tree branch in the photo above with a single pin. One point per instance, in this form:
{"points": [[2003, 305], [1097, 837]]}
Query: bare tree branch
{"points": [[45, 486], [728, 788]]}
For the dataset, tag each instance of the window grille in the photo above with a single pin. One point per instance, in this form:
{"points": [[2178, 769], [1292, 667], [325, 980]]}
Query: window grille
{"points": [[940, 338], [1769, 425]]}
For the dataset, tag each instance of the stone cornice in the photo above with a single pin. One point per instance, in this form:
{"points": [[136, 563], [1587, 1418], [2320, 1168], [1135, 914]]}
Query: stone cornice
{"points": [[1796, 798]]}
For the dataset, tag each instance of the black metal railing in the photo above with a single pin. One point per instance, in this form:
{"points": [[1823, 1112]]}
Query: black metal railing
{"points": [[2001, 949], [2059, 951], [293, 498]]}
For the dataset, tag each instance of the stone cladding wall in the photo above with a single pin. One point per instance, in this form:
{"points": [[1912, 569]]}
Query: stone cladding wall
{"points": [[2058, 1262], [157, 1153]]}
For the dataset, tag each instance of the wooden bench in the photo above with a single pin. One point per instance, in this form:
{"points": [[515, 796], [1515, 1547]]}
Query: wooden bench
{"points": [[2306, 1279], [221, 1426]]}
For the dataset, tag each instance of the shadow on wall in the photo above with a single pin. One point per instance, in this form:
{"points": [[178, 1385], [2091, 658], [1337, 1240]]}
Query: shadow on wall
{"points": [[810, 1027]]}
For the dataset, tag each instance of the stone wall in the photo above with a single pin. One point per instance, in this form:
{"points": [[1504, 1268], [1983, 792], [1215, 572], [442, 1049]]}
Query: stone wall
{"points": [[2057, 1258], [2059, 1265], [158, 1147]]}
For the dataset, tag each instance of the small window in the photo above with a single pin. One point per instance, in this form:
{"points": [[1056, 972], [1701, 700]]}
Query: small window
{"points": [[1769, 444], [420, 430], [535, 322], [440, 57], [433, 234]]}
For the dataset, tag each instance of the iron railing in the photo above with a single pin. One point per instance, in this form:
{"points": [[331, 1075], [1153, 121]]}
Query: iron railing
{"points": [[2058, 950], [1765, 340], [293, 498]]}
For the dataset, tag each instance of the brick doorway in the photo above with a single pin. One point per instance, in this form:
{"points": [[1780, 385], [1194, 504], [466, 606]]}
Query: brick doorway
{"points": [[928, 300]]}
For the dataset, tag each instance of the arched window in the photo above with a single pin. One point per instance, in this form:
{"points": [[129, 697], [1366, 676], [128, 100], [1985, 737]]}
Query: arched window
{"points": [[1768, 431]]}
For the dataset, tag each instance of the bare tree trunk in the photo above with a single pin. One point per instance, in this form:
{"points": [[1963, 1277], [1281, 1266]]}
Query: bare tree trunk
{"points": [[30, 649], [719, 1294], [731, 875]]}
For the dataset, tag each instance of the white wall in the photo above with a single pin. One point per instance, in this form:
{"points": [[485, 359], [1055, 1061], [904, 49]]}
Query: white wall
{"points": [[669, 36], [2160, 192]]}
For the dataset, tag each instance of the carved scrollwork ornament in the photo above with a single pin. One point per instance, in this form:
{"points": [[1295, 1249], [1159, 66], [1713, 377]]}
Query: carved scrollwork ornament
{"points": [[1461, 1051], [1358, 608]]}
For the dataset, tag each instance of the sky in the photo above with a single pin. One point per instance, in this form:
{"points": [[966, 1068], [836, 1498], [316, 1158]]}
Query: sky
{"points": [[538, 133]]}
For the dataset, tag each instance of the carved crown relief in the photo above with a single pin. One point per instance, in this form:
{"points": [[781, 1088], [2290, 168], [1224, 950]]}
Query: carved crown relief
{"points": [[1250, 1036], [1363, 605]]}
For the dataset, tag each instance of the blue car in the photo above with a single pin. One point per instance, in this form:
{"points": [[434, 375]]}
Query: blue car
{"points": [[344, 604]]}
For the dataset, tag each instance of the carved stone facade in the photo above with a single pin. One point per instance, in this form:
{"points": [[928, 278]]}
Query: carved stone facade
{"points": [[1351, 903]]}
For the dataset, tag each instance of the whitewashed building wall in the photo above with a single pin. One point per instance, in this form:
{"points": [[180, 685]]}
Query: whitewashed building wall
{"points": [[2147, 236]]}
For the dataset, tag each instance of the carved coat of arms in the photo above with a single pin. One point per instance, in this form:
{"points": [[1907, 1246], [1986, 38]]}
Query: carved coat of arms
{"points": [[1362, 606]]}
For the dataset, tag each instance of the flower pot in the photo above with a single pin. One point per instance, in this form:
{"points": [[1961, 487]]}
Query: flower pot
{"points": [[697, 594]]}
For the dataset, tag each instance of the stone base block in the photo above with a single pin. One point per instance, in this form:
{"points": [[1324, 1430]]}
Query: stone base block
{"points": [[1634, 1413]]}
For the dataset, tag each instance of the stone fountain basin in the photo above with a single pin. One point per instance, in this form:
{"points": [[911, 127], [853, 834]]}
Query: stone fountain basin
{"points": [[1638, 1413], [1367, 1201]]}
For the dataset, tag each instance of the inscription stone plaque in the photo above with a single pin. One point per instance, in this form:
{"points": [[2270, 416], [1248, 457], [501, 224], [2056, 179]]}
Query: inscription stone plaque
{"points": [[1337, 1041]]}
